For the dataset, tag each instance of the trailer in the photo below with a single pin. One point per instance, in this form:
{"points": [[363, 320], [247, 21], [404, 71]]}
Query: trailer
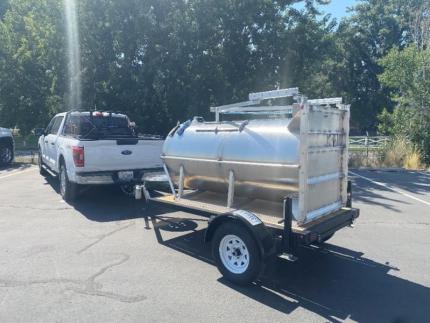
{"points": [[270, 182]]}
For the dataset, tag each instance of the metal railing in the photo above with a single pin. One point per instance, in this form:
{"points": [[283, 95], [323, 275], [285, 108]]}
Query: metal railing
{"points": [[365, 142]]}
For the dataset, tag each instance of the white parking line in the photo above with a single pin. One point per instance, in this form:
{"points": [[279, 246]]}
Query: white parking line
{"points": [[391, 188], [18, 172]]}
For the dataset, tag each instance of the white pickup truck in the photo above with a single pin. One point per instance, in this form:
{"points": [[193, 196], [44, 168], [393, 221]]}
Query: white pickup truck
{"points": [[93, 148]]}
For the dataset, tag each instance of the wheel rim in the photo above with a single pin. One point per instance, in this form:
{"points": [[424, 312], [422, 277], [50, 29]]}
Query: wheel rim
{"points": [[63, 181], [234, 254], [5, 155]]}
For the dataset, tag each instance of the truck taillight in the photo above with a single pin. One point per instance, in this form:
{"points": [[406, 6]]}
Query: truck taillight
{"points": [[78, 156]]}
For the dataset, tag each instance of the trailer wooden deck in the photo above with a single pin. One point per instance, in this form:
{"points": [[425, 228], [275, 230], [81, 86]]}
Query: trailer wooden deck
{"points": [[269, 212]]}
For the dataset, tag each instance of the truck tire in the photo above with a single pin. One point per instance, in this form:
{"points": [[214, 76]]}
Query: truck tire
{"points": [[127, 190], [236, 253], [41, 164], [6, 154], [68, 189]]}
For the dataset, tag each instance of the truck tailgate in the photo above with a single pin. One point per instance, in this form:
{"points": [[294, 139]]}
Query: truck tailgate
{"points": [[122, 154]]}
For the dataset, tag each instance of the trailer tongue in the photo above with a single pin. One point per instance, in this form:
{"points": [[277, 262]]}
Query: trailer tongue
{"points": [[272, 181]]}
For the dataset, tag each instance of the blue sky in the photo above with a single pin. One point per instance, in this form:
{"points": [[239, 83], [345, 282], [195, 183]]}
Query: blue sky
{"points": [[337, 8]]}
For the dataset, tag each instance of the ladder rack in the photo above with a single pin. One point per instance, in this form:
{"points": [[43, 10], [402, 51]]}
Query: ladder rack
{"points": [[252, 105]]}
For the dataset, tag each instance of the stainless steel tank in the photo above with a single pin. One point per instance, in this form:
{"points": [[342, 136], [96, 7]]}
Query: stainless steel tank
{"points": [[262, 154]]}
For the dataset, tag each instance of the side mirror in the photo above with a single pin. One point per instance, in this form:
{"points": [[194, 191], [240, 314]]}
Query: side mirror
{"points": [[39, 132]]}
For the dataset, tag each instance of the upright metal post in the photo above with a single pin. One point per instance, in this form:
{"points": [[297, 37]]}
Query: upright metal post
{"points": [[287, 238], [230, 196], [181, 182], [172, 188], [216, 115], [349, 195]]}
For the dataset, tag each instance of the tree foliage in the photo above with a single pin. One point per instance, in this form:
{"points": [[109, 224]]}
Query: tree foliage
{"points": [[161, 61], [407, 74]]}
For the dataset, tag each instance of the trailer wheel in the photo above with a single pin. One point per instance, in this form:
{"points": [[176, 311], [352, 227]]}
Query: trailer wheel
{"points": [[236, 253]]}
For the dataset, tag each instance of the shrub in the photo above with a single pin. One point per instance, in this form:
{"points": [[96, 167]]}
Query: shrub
{"points": [[400, 152]]}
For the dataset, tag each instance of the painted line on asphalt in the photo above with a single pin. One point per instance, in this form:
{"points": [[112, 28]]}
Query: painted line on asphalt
{"points": [[18, 172], [391, 188]]}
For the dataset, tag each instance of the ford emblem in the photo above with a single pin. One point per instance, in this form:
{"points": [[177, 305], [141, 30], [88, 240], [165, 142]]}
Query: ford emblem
{"points": [[126, 152]]}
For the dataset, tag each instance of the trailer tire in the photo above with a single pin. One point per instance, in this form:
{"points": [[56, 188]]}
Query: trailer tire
{"points": [[236, 253]]}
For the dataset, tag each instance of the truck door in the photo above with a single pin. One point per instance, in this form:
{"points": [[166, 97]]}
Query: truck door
{"points": [[51, 142]]}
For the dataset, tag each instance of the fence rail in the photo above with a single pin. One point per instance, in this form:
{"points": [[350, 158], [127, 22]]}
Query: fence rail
{"points": [[363, 142]]}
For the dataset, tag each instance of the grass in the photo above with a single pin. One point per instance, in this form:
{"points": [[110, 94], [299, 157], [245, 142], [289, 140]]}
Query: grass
{"points": [[397, 153], [401, 153]]}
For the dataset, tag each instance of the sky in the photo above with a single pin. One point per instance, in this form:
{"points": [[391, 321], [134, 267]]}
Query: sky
{"points": [[337, 8]]}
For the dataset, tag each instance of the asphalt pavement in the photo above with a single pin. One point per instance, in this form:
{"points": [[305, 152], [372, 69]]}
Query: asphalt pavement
{"points": [[111, 259]]}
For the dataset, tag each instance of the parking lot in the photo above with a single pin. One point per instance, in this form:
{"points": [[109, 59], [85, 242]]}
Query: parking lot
{"points": [[108, 259]]}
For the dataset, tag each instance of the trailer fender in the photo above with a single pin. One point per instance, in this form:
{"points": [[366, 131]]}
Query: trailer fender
{"points": [[251, 222]]}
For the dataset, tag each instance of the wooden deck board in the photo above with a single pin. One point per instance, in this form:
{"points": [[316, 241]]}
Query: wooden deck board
{"points": [[270, 213]]}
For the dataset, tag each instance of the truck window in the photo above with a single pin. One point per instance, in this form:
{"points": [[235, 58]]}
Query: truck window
{"points": [[97, 127], [56, 125], [49, 126]]}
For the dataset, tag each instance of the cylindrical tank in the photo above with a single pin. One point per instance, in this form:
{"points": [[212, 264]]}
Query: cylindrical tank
{"points": [[262, 154]]}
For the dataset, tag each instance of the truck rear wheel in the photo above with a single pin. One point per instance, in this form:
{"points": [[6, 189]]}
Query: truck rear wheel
{"points": [[236, 253], [68, 189], [127, 189]]}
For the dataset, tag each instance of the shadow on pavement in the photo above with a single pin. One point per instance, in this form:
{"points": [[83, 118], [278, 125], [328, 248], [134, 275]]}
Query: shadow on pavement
{"points": [[13, 167], [333, 282], [416, 182], [108, 203], [365, 192]]}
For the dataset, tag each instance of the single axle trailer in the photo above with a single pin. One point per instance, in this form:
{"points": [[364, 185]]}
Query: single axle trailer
{"points": [[265, 206]]}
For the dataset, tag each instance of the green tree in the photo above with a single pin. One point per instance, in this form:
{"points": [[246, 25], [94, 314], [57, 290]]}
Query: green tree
{"points": [[31, 63], [407, 73], [373, 29]]}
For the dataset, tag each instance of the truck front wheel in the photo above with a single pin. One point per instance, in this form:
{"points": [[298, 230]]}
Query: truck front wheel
{"points": [[41, 164], [236, 253], [68, 189]]}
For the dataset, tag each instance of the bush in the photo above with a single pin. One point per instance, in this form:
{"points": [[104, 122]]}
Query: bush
{"points": [[400, 152], [410, 130]]}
